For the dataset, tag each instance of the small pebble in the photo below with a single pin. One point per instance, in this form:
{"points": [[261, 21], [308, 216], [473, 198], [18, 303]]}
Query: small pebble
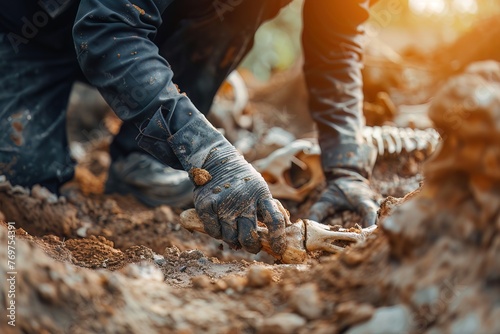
{"points": [[220, 285], [259, 276], [353, 313], [201, 282], [388, 320], [159, 260], [163, 214], [193, 254], [236, 283], [282, 323], [305, 300], [43, 194], [48, 293]]}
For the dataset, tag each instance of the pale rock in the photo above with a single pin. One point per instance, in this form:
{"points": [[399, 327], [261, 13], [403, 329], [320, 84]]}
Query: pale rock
{"points": [[386, 320], [468, 324], [43, 194], [143, 270], [352, 313], [201, 282], [164, 214], [305, 301], [259, 276], [281, 323], [426, 296]]}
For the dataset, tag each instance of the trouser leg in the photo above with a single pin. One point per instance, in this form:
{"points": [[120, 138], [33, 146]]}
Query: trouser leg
{"points": [[124, 142], [210, 40], [35, 84], [333, 48]]}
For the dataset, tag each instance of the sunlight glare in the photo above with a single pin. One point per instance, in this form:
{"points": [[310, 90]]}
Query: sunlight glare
{"points": [[433, 7], [465, 6], [427, 6]]}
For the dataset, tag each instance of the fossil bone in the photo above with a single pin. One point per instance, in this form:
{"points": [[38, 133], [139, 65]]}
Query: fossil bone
{"points": [[277, 169], [393, 140], [228, 107], [302, 237], [293, 171], [240, 100], [232, 99]]}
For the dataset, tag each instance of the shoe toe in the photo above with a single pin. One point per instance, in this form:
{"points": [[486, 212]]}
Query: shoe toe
{"points": [[150, 181]]}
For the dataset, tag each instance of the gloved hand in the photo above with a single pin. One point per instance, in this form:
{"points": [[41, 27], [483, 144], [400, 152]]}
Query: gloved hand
{"points": [[229, 193], [347, 191]]}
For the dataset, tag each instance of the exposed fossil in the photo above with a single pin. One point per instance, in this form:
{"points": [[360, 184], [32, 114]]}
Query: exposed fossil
{"points": [[393, 140], [302, 237], [293, 171]]}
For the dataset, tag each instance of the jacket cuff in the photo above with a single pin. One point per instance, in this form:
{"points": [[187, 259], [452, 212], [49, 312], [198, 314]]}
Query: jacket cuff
{"points": [[358, 158], [194, 143], [153, 139]]}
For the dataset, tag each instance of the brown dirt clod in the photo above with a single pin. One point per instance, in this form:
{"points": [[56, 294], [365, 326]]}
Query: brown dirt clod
{"points": [[200, 176]]}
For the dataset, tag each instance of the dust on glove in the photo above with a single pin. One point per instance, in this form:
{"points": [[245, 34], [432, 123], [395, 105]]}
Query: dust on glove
{"points": [[229, 195]]}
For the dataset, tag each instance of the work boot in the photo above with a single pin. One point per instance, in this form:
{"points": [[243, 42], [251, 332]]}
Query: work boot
{"points": [[150, 181]]}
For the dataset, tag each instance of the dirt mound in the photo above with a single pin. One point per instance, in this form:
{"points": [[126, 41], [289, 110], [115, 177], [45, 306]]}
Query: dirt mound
{"points": [[106, 264], [157, 276]]}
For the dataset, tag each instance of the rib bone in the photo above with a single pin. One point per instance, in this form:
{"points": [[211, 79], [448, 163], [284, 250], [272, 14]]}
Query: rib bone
{"points": [[302, 236]]}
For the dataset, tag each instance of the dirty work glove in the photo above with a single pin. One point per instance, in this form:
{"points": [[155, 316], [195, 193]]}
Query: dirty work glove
{"points": [[347, 190], [229, 193]]}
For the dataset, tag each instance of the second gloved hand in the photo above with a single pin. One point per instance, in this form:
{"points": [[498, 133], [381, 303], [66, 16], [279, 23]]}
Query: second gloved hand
{"points": [[347, 191]]}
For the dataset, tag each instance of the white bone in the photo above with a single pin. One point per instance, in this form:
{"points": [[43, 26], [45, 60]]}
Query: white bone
{"points": [[306, 155], [389, 139], [274, 168], [302, 236], [319, 236], [240, 100], [394, 140]]}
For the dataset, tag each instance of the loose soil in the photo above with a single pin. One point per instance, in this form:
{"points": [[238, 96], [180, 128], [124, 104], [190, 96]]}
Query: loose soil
{"points": [[87, 262]]}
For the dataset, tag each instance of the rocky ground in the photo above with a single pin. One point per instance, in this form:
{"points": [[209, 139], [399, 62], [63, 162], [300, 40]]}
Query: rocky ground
{"points": [[82, 259], [85, 257], [86, 262], [107, 264]]}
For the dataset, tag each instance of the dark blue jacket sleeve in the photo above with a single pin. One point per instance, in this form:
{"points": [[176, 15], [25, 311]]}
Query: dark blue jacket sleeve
{"points": [[333, 46], [115, 49], [114, 44]]}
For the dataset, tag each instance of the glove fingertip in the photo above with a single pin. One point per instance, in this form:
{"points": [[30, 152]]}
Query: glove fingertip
{"points": [[369, 219], [278, 245], [230, 234], [320, 210], [369, 212], [248, 236], [275, 222], [211, 225]]}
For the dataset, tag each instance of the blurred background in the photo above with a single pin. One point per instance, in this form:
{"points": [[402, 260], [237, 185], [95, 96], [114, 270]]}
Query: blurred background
{"points": [[421, 25], [413, 48]]}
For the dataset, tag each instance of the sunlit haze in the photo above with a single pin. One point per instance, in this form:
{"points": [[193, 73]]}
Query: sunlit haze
{"points": [[441, 6]]}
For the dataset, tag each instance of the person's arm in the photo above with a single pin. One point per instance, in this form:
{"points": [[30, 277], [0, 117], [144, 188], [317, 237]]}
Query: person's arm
{"points": [[333, 38], [115, 49], [114, 44]]}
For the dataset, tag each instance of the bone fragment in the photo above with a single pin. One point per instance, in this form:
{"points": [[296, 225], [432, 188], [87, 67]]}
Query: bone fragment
{"points": [[302, 236]]}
